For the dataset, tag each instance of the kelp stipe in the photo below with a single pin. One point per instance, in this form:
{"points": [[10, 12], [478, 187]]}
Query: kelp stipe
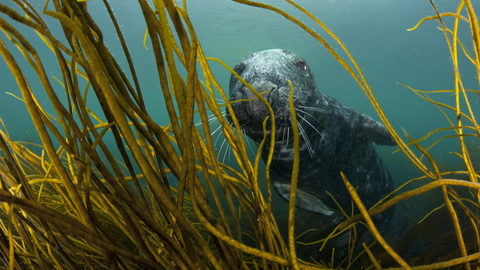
{"points": [[66, 206]]}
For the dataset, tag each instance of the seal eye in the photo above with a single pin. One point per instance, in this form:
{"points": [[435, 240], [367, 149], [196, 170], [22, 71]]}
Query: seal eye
{"points": [[301, 65], [239, 69]]}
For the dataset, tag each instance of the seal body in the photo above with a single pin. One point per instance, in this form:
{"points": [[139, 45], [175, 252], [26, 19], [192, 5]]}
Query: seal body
{"points": [[334, 138]]}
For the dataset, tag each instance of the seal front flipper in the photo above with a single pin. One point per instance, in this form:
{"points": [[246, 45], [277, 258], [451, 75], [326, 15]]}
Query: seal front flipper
{"points": [[359, 124], [303, 200], [375, 130]]}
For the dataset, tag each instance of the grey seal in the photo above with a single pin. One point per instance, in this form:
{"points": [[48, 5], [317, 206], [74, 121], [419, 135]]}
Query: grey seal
{"points": [[334, 137]]}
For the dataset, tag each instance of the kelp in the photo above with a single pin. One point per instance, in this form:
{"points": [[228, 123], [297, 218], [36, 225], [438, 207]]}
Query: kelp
{"points": [[69, 202]]}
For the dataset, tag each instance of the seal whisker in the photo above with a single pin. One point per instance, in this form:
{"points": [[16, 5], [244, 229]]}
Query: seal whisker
{"points": [[312, 109], [213, 133], [229, 152], [288, 135], [278, 135], [309, 115], [320, 133], [227, 149], [306, 139], [306, 113], [221, 147], [281, 146], [218, 137], [198, 123], [245, 138], [211, 118]]}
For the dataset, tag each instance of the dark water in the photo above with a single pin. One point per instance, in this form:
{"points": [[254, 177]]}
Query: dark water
{"points": [[373, 31]]}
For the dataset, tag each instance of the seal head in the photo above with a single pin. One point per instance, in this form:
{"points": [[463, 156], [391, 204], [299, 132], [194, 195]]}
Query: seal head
{"points": [[268, 72], [334, 137]]}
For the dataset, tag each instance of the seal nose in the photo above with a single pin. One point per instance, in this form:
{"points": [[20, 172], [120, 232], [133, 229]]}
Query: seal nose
{"points": [[277, 97], [256, 109], [265, 88]]}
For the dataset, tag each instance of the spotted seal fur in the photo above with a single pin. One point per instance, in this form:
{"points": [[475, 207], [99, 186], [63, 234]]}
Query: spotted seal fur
{"points": [[334, 137]]}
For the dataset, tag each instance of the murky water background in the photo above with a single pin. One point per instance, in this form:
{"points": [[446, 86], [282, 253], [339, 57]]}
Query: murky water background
{"points": [[375, 32]]}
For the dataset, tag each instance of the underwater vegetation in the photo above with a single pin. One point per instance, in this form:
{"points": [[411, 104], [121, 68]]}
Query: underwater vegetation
{"points": [[70, 202]]}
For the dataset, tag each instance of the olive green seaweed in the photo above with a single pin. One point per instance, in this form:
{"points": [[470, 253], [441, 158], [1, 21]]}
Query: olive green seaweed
{"points": [[69, 202]]}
